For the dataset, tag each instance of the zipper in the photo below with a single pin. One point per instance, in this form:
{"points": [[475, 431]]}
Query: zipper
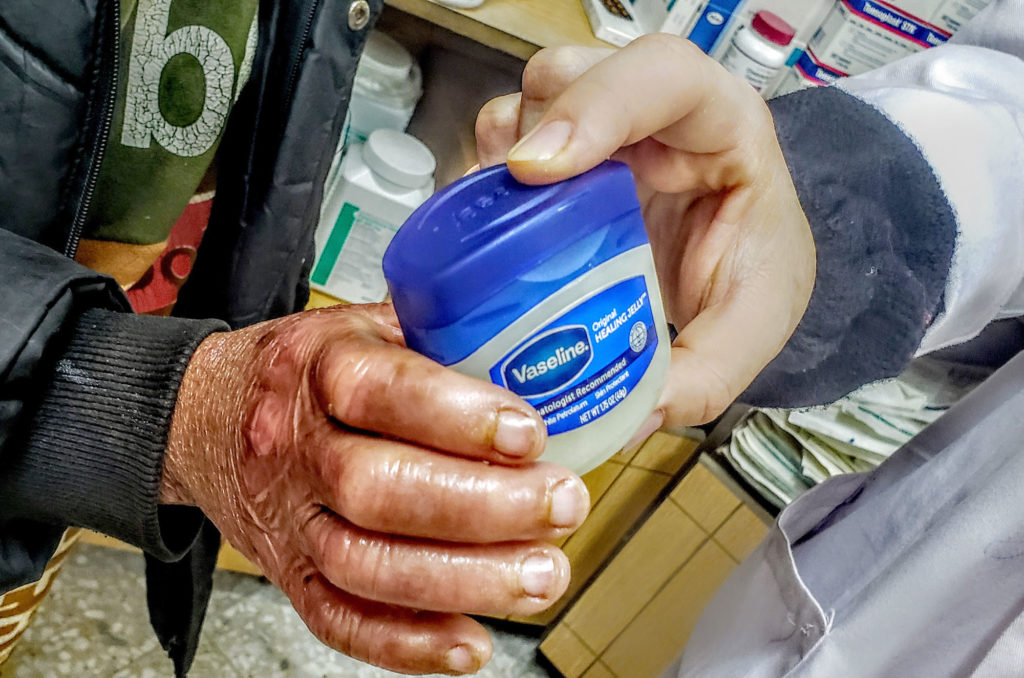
{"points": [[293, 75], [111, 36], [307, 29]]}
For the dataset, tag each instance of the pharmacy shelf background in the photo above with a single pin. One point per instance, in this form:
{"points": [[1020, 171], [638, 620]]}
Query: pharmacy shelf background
{"points": [[516, 27]]}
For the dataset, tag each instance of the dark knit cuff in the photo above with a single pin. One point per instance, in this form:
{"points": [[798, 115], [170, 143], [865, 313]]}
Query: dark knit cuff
{"points": [[93, 451], [884, 233]]}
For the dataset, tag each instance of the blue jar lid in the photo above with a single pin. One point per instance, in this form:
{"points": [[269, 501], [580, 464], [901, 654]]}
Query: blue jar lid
{"points": [[485, 250]]}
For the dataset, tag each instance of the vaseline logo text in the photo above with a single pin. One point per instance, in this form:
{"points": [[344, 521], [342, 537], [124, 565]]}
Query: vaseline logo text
{"points": [[562, 356], [549, 362]]}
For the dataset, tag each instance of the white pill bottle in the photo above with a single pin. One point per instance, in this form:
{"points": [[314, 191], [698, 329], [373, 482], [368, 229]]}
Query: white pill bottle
{"points": [[549, 291], [386, 88], [759, 50], [377, 186]]}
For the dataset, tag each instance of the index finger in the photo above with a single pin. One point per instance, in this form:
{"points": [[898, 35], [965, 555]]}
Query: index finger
{"points": [[386, 388], [658, 85]]}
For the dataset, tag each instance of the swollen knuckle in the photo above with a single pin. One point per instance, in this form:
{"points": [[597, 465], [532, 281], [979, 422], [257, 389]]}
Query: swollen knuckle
{"points": [[364, 498], [351, 395], [323, 540], [351, 380], [551, 69], [492, 116], [355, 497], [390, 386], [536, 69]]}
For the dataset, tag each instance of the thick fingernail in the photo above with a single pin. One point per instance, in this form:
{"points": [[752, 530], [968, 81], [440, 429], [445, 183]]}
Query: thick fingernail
{"points": [[542, 143], [515, 434], [460, 659], [570, 502], [652, 424], [536, 575]]}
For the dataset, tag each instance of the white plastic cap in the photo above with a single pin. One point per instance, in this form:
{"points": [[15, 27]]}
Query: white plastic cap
{"points": [[399, 158], [383, 58]]}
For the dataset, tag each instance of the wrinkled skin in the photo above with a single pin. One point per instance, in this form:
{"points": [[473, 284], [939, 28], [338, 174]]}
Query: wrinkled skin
{"points": [[314, 443], [352, 470], [732, 247]]}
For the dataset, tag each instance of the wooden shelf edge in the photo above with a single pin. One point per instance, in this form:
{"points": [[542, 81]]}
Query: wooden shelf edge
{"points": [[516, 27], [462, 24]]}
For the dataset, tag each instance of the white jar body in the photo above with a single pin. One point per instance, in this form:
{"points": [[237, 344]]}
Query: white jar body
{"points": [[618, 339], [754, 58]]}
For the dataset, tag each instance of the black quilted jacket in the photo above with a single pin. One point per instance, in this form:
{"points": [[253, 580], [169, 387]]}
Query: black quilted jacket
{"points": [[86, 387]]}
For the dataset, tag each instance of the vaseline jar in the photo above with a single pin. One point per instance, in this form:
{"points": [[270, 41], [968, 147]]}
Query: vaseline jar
{"points": [[549, 291]]}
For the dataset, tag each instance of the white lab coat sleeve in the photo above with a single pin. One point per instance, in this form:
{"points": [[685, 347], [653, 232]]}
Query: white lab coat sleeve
{"points": [[912, 179], [913, 569], [963, 106]]}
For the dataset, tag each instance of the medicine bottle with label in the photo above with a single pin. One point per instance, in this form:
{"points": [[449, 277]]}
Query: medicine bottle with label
{"points": [[375, 189], [759, 50], [385, 90], [549, 291]]}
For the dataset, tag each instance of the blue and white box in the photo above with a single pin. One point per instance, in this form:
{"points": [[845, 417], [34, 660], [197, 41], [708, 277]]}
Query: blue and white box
{"points": [[665, 16]]}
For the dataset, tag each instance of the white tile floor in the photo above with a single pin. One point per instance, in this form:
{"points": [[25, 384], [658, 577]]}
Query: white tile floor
{"points": [[94, 625]]}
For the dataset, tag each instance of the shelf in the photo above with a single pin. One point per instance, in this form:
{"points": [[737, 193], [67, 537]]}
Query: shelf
{"points": [[517, 27], [318, 299]]}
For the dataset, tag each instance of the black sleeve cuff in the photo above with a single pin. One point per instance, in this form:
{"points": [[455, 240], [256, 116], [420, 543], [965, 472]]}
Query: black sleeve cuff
{"points": [[93, 451], [884, 233]]}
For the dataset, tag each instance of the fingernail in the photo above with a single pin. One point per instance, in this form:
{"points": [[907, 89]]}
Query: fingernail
{"points": [[542, 143], [471, 170], [536, 574], [570, 502], [460, 660], [515, 434], [652, 424]]}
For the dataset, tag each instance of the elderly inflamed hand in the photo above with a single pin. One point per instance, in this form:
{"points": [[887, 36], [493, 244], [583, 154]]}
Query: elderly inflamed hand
{"points": [[385, 495], [733, 250]]}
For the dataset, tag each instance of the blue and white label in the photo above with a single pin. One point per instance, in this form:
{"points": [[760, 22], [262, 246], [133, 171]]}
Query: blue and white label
{"points": [[549, 362], [815, 71], [894, 19], [584, 363]]}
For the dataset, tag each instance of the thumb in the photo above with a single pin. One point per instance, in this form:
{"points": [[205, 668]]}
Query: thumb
{"points": [[695, 392], [658, 85], [720, 352]]}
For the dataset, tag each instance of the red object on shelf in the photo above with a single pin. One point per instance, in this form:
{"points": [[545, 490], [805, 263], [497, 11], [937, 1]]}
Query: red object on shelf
{"points": [[772, 27], [157, 290]]}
